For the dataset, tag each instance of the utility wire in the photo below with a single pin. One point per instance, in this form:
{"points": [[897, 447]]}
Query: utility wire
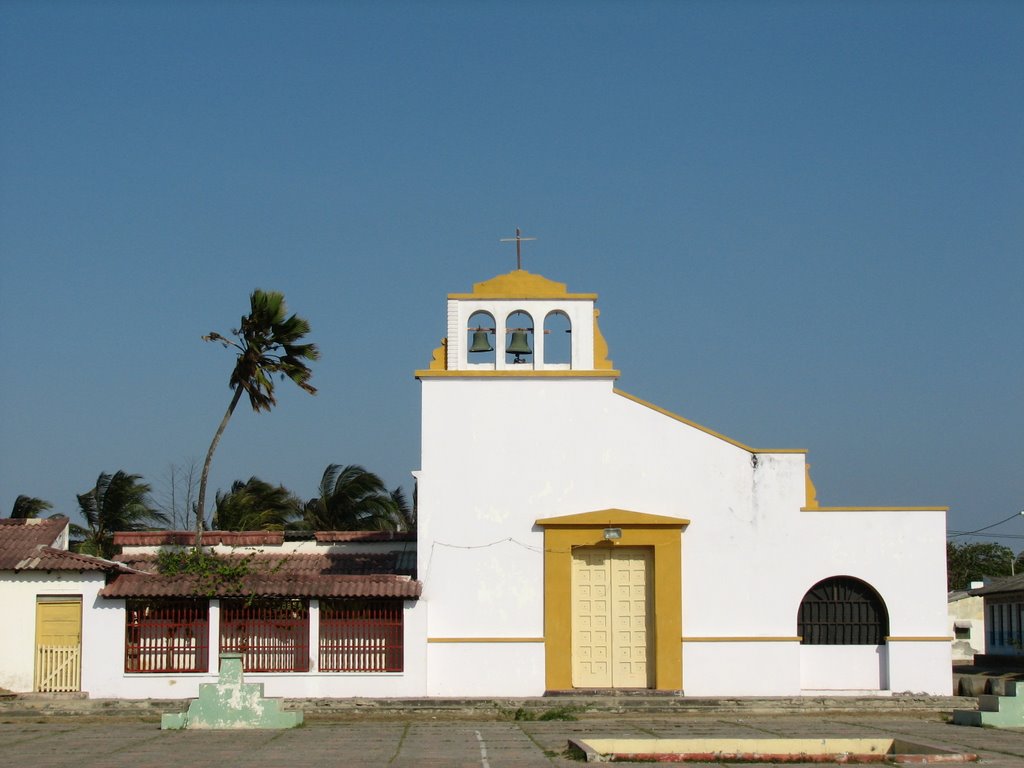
{"points": [[979, 530]]}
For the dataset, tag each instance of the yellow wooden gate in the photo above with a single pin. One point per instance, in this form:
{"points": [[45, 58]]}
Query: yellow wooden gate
{"points": [[58, 644], [611, 637]]}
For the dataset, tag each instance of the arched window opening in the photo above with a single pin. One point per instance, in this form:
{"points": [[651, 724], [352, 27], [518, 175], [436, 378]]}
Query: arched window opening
{"points": [[557, 339], [519, 338], [480, 338], [842, 610]]}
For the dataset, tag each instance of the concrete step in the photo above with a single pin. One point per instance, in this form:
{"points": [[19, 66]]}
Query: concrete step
{"points": [[988, 702], [542, 707]]}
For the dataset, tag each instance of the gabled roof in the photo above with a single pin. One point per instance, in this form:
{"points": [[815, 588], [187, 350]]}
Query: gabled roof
{"points": [[331, 574], [27, 545]]}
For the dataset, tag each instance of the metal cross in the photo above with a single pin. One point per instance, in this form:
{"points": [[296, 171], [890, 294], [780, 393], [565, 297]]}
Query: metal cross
{"points": [[518, 239]]}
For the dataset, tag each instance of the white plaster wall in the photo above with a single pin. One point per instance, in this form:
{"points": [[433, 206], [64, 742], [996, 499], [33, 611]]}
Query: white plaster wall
{"points": [[844, 667], [18, 592], [917, 667], [741, 669], [500, 453], [485, 669]]}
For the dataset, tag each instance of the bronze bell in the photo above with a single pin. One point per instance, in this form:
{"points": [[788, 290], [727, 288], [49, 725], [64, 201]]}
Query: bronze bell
{"points": [[480, 342], [518, 345]]}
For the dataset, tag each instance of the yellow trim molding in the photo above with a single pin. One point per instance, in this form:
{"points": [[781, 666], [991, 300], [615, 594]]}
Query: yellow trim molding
{"points": [[439, 360], [874, 509], [601, 361], [518, 374], [485, 639], [520, 284], [711, 432], [938, 639], [783, 639], [810, 492], [659, 533]]}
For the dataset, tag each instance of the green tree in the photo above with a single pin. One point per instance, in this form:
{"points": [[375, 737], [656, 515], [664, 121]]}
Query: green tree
{"points": [[29, 506], [255, 505], [972, 561], [118, 502], [351, 499], [267, 342], [403, 515]]}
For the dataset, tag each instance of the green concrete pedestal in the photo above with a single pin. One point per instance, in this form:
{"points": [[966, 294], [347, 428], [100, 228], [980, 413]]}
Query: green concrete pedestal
{"points": [[995, 711], [232, 703]]}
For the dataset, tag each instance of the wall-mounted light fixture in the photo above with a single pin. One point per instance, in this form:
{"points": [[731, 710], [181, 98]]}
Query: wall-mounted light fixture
{"points": [[612, 534]]}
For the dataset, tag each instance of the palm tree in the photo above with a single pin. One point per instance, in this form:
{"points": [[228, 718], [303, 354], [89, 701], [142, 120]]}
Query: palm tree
{"points": [[350, 499], [29, 506], [255, 505], [403, 515], [268, 342], [118, 502]]}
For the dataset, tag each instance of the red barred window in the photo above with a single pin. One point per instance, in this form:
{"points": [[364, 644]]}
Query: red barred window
{"points": [[272, 635], [361, 636], [167, 636]]}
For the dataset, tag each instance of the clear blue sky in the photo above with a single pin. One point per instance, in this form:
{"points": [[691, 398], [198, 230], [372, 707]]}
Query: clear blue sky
{"points": [[804, 222]]}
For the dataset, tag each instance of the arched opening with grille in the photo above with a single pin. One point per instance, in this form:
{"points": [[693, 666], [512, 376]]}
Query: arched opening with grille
{"points": [[842, 610]]}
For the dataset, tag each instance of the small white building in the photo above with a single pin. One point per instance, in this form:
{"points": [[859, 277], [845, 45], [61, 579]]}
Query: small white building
{"points": [[51, 600], [571, 536]]}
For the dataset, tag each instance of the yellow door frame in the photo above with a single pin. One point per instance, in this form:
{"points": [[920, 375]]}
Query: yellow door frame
{"points": [[663, 535]]}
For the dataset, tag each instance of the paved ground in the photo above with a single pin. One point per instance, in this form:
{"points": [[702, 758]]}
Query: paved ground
{"points": [[427, 742]]}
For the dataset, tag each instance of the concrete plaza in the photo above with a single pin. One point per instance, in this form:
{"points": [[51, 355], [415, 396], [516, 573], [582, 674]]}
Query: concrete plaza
{"points": [[424, 740]]}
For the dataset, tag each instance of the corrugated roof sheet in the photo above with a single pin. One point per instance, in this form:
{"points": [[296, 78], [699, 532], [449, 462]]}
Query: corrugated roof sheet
{"points": [[19, 538], [278, 575], [1001, 585]]}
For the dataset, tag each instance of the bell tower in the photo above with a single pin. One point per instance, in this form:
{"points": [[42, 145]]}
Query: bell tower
{"points": [[521, 324]]}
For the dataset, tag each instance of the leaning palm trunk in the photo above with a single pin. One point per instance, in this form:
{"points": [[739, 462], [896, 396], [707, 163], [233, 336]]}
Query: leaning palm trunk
{"points": [[268, 343], [201, 503]]}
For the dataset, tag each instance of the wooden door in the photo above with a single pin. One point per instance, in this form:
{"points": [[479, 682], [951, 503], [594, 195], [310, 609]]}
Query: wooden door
{"points": [[58, 644], [611, 618]]}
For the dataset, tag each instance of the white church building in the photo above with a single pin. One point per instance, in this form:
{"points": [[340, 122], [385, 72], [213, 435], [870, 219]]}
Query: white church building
{"points": [[599, 541], [596, 541]]}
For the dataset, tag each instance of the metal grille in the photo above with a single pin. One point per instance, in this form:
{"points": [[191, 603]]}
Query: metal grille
{"points": [[166, 636], [272, 635], [842, 611], [361, 636]]}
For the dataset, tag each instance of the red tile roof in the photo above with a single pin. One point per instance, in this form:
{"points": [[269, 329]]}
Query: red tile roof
{"points": [[328, 537], [277, 575], [18, 538], [26, 545], [210, 538], [50, 559]]}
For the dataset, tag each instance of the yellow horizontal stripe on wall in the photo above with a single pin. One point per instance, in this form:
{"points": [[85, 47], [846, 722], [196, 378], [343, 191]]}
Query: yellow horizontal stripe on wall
{"points": [[485, 639], [919, 639], [785, 639]]}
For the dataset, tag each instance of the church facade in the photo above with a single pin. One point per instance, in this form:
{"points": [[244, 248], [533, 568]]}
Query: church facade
{"points": [[595, 540]]}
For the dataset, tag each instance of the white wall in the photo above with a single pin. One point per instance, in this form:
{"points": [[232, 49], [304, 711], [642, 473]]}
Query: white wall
{"points": [[485, 669], [844, 667], [499, 454], [741, 669]]}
